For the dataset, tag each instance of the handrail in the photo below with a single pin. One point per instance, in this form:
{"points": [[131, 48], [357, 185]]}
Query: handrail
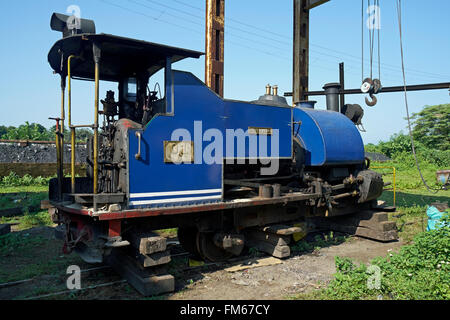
{"points": [[138, 154], [72, 129]]}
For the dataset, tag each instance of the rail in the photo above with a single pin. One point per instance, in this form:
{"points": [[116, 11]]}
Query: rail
{"points": [[74, 127]]}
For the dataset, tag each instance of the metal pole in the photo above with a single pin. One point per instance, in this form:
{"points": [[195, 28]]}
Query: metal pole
{"points": [[417, 87], [72, 130], [395, 172], [301, 51], [342, 82], [97, 88], [61, 136], [214, 42], [59, 171]]}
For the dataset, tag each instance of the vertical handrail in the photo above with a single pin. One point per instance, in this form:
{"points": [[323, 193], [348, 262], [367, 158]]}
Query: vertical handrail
{"points": [[59, 172], [394, 173], [72, 129], [97, 88], [61, 129]]}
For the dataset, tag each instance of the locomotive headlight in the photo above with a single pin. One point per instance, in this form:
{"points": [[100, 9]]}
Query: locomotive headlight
{"points": [[70, 25]]}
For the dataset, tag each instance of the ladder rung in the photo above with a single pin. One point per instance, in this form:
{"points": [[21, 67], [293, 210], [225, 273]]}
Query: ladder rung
{"points": [[82, 126]]}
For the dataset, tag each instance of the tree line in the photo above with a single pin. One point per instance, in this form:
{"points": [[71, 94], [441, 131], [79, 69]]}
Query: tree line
{"points": [[431, 134], [37, 132]]}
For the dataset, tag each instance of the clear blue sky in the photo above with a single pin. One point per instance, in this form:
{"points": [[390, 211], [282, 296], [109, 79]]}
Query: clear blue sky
{"points": [[258, 50]]}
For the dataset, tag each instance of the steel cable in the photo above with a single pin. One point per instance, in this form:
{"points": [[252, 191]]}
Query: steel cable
{"points": [[399, 13]]}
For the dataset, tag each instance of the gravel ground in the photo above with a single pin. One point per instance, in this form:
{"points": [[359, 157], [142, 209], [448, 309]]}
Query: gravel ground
{"points": [[298, 274]]}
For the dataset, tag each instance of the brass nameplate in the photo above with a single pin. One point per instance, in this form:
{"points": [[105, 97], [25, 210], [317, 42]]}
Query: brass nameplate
{"points": [[260, 131], [178, 152]]}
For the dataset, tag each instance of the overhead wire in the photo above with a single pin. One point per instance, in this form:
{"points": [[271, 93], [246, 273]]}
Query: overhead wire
{"points": [[399, 13], [258, 35], [240, 44], [266, 31]]}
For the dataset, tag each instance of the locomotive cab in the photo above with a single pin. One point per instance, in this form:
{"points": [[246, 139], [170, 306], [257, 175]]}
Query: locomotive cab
{"points": [[131, 65]]}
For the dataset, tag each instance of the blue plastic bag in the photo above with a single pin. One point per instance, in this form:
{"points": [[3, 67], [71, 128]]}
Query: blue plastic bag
{"points": [[434, 217]]}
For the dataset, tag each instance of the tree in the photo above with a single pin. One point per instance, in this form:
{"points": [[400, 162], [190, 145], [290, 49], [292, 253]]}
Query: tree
{"points": [[3, 131], [431, 127]]}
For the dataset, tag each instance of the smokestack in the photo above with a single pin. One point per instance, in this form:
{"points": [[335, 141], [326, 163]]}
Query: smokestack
{"points": [[332, 93]]}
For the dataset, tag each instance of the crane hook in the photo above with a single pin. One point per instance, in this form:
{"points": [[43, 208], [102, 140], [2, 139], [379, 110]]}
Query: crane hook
{"points": [[373, 102]]}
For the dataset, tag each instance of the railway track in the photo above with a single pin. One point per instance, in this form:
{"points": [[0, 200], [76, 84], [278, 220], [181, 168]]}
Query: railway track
{"points": [[108, 279], [112, 278]]}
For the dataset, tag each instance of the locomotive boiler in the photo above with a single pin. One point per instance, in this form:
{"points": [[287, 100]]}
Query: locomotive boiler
{"points": [[177, 155]]}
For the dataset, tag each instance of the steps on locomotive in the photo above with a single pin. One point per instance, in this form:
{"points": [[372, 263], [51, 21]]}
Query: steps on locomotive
{"points": [[100, 198]]}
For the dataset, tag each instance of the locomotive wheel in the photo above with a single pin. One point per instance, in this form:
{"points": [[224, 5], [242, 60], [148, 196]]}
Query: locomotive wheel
{"points": [[188, 240], [208, 250]]}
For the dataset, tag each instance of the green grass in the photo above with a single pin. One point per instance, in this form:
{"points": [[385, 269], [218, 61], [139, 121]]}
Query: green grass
{"points": [[17, 189], [407, 175], [29, 219], [22, 199], [319, 242], [412, 197], [24, 256], [420, 271]]}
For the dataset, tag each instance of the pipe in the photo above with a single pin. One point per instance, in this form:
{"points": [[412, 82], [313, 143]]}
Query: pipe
{"points": [[275, 90], [97, 55], [342, 82], [72, 130], [417, 87], [332, 91], [97, 67], [61, 131], [59, 172]]}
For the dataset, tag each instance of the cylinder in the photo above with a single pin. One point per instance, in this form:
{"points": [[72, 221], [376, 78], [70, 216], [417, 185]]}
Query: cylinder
{"points": [[265, 191], [332, 91], [276, 190]]}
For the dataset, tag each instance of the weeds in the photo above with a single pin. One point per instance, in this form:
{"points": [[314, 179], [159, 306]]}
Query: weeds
{"points": [[420, 271], [13, 180], [320, 241]]}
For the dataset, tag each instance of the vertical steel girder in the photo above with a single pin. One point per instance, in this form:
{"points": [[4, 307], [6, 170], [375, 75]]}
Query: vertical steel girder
{"points": [[301, 51], [214, 60]]}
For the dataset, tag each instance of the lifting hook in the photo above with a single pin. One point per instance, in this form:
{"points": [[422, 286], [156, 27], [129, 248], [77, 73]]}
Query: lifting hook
{"points": [[373, 102], [372, 87]]}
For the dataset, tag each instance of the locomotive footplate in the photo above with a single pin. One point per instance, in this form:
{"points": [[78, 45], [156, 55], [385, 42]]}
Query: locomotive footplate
{"points": [[149, 212]]}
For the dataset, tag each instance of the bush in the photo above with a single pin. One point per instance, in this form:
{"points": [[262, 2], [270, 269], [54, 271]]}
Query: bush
{"points": [[399, 149], [13, 180], [418, 271]]}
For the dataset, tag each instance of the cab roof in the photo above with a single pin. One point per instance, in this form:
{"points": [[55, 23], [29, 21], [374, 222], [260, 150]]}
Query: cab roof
{"points": [[120, 57]]}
